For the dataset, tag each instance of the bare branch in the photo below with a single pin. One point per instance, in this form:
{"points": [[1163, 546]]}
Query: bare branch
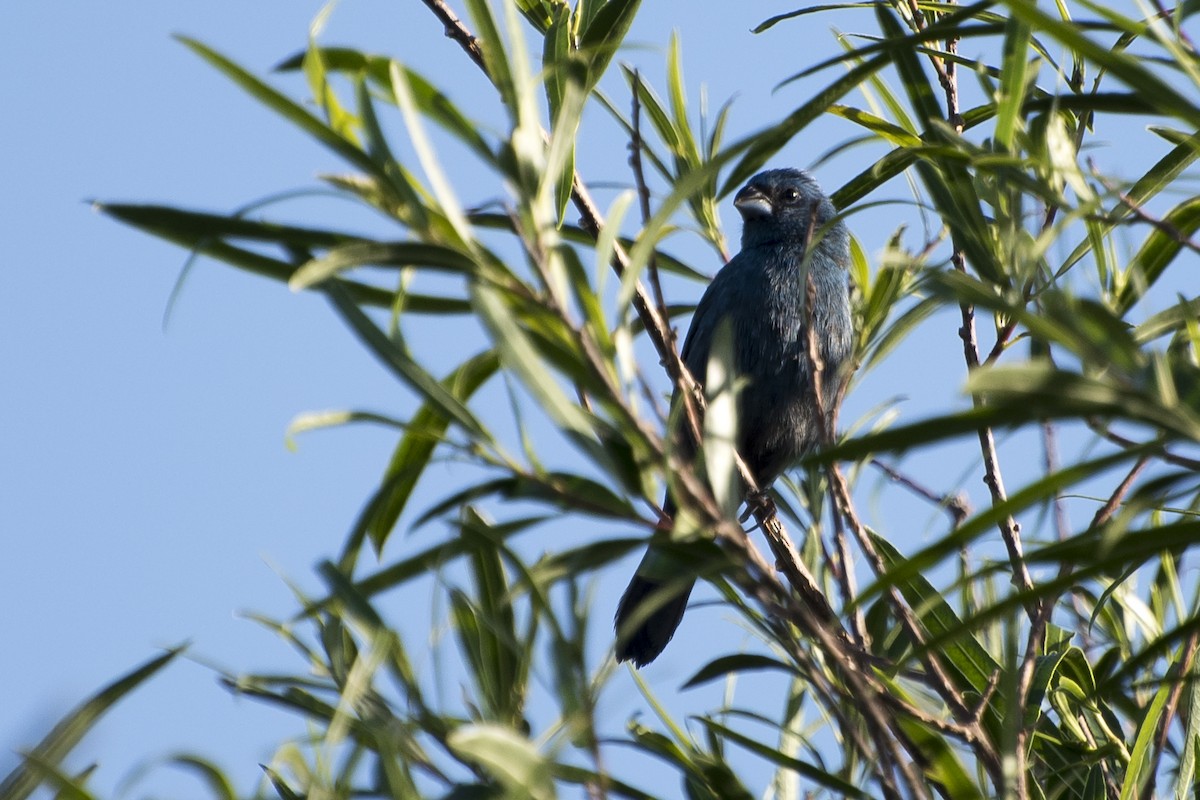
{"points": [[956, 505], [643, 190]]}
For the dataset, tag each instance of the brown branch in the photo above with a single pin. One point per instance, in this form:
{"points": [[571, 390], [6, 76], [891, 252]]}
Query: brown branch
{"points": [[957, 505], [1106, 511], [643, 190], [456, 30], [1163, 454], [1136, 209], [808, 608], [1035, 643], [936, 675]]}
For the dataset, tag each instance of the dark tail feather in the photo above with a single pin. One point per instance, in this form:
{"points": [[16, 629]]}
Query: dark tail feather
{"points": [[643, 643]]}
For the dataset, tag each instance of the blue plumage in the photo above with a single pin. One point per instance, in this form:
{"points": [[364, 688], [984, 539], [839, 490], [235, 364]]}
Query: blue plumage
{"points": [[762, 291]]}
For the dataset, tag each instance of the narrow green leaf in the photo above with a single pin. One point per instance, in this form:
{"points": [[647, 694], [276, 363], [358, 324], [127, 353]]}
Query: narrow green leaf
{"points": [[414, 452], [426, 561], [1167, 321], [1159, 251], [189, 229], [893, 134], [566, 490], [721, 421], [401, 364], [284, 106], [428, 158], [1013, 77], [512, 759], [1127, 67], [1185, 779], [495, 59], [769, 142], [1141, 758], [380, 254], [64, 736], [215, 779], [280, 785], [921, 93], [971, 665], [742, 662], [813, 773], [604, 33], [519, 354]]}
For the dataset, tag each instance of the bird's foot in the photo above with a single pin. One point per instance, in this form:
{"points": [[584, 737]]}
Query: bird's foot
{"points": [[757, 502]]}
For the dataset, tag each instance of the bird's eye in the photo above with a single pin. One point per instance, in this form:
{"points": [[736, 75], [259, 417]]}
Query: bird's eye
{"points": [[790, 196]]}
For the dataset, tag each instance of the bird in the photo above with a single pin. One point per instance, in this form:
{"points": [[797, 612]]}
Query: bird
{"points": [[763, 293]]}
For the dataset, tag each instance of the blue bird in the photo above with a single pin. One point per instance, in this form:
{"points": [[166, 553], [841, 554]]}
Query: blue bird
{"points": [[762, 292]]}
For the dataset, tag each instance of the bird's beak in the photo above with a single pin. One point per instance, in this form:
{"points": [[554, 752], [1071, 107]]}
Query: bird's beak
{"points": [[752, 203]]}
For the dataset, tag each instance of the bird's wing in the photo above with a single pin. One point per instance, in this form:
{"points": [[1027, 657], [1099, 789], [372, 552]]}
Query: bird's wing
{"points": [[713, 306]]}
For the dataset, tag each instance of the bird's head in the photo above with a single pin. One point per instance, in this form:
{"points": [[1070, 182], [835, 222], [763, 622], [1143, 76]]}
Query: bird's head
{"points": [[787, 205]]}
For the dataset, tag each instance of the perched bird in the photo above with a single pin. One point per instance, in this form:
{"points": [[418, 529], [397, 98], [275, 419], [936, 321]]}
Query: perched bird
{"points": [[762, 291]]}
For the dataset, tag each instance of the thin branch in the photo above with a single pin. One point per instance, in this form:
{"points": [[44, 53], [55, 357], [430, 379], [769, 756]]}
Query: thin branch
{"points": [[956, 505], [643, 190], [808, 608], [1136, 209], [1037, 630], [1098, 427], [456, 30]]}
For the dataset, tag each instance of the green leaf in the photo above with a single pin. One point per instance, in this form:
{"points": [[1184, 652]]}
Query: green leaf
{"points": [[202, 233], [280, 785], [380, 254], [769, 142], [512, 759], [285, 107], [426, 430], [401, 364], [215, 779], [604, 34], [574, 492], [971, 666], [1131, 70], [62, 739], [721, 421], [1167, 321], [521, 356], [812, 772], [426, 561], [1013, 78], [742, 662], [1159, 251], [1141, 765], [921, 93]]}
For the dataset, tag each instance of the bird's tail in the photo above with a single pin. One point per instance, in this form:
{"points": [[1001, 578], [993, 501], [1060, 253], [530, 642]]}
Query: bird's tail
{"points": [[647, 616]]}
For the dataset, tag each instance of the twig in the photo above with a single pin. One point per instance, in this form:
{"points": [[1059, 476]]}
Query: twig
{"points": [[810, 611], [1136, 209], [1037, 629], [454, 29], [1106, 511], [957, 506], [826, 421], [1050, 454], [936, 675], [1166, 13], [643, 190], [1163, 454]]}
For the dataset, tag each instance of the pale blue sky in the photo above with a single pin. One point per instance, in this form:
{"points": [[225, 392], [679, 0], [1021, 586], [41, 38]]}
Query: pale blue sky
{"points": [[146, 492]]}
